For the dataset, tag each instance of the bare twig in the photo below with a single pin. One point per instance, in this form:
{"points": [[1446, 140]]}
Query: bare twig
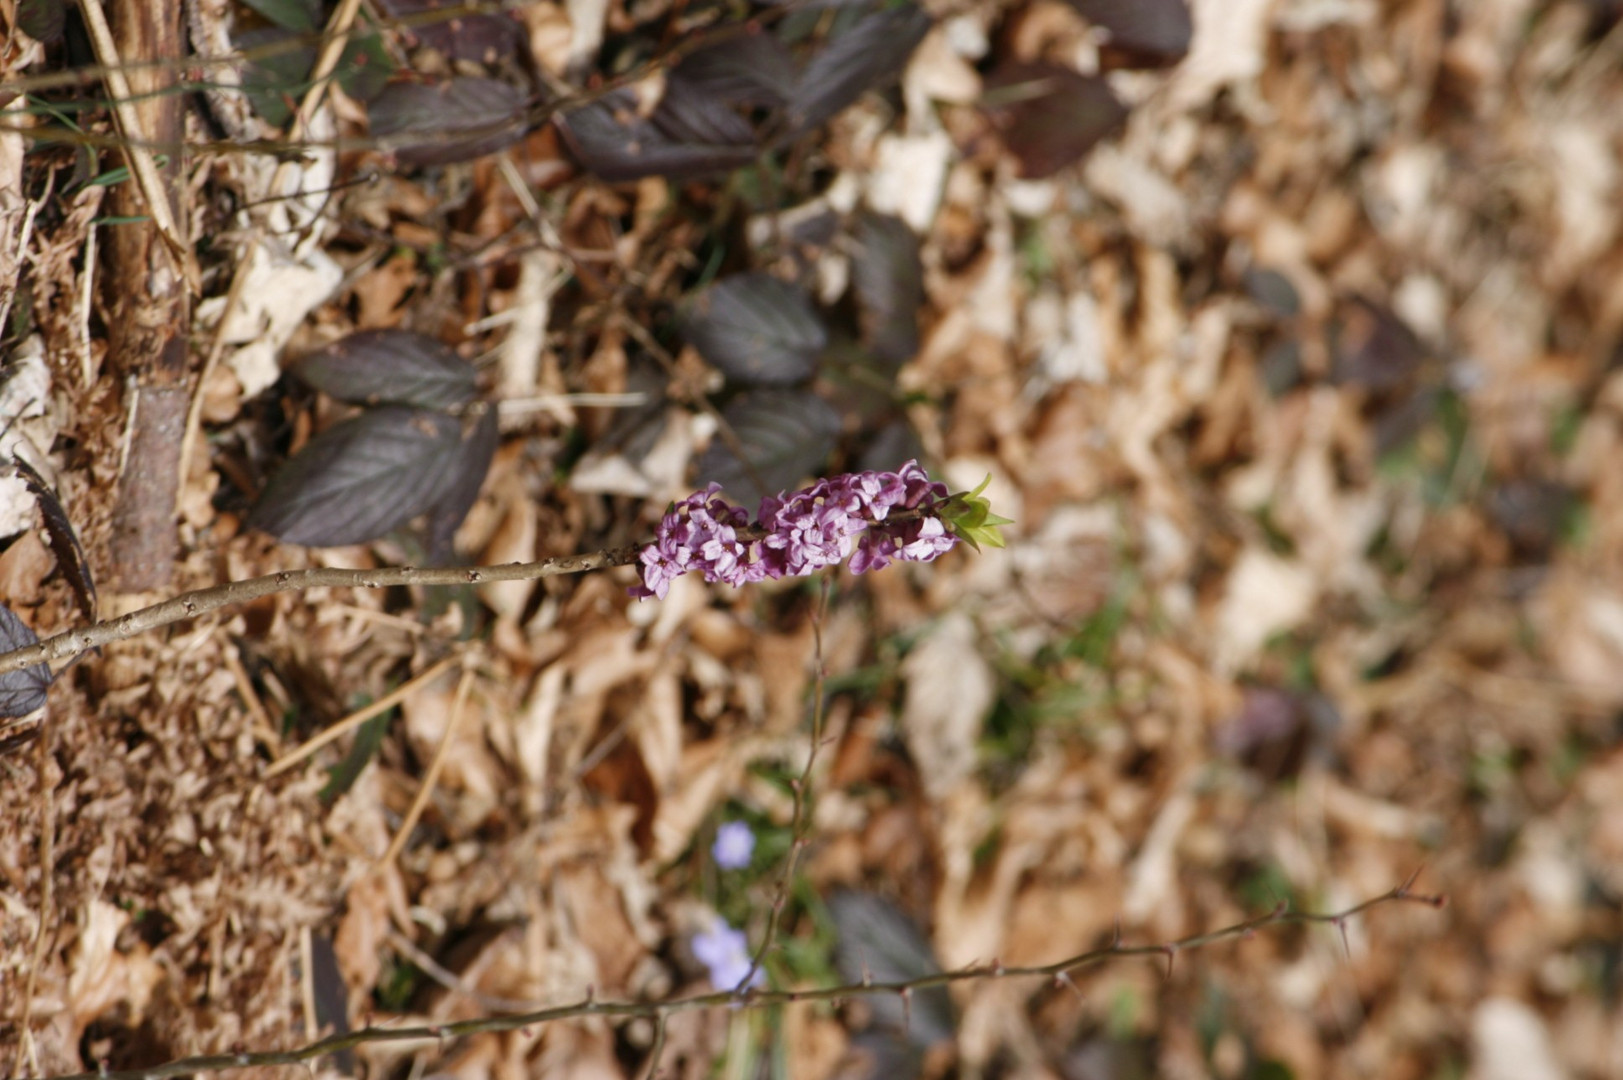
{"points": [[747, 999], [203, 601], [193, 604]]}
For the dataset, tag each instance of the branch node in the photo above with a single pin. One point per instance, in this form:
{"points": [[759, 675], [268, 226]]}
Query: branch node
{"points": [[1171, 949]]}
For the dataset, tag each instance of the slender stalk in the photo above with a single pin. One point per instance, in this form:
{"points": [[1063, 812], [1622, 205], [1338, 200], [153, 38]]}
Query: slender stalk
{"points": [[193, 604], [1059, 971]]}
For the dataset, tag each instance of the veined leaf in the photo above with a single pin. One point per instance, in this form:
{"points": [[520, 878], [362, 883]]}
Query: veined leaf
{"points": [[757, 329], [691, 134], [889, 280], [456, 120], [869, 54], [364, 477], [785, 435], [21, 691], [396, 367]]}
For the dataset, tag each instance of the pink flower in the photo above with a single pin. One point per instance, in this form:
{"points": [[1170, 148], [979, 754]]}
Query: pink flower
{"points": [[805, 531]]}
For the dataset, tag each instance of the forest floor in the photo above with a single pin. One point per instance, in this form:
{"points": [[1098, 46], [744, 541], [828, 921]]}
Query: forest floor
{"points": [[1299, 384]]}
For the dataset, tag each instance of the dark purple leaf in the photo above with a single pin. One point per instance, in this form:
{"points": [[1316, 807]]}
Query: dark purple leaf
{"points": [[868, 55], [42, 20], [1050, 116], [1532, 513], [480, 38], [1157, 30], [462, 489], [754, 70], [877, 941], [394, 367], [691, 134], [21, 691], [363, 478], [456, 120], [756, 329], [1371, 347], [690, 113], [70, 556], [890, 285], [1273, 291], [891, 447], [786, 436]]}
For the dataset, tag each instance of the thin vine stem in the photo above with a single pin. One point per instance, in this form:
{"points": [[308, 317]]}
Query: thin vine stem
{"points": [[1059, 971]]}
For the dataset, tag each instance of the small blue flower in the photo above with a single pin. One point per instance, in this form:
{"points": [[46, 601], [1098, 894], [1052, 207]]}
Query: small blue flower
{"points": [[726, 953], [734, 845]]}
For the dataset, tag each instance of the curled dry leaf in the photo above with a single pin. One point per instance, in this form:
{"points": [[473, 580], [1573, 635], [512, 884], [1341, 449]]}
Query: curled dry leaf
{"points": [[396, 367], [756, 329], [456, 120], [1050, 116], [21, 691], [786, 435], [64, 541], [369, 475]]}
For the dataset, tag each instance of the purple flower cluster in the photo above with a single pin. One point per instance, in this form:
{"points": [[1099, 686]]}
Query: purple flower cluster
{"points": [[805, 531]]}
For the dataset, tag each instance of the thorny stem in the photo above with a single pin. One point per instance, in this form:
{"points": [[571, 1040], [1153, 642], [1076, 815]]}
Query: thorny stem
{"points": [[657, 1011]]}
